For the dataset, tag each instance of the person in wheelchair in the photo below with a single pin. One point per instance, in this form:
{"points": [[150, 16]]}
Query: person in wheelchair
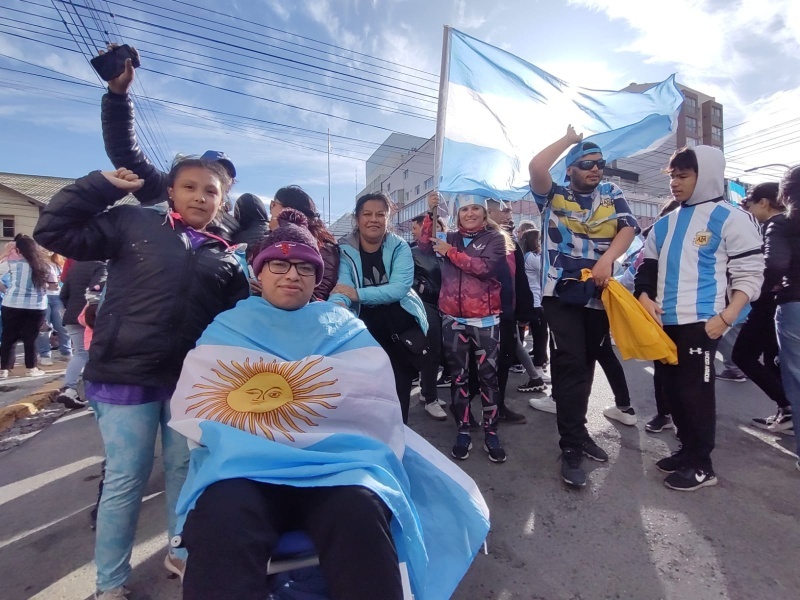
{"points": [[292, 414]]}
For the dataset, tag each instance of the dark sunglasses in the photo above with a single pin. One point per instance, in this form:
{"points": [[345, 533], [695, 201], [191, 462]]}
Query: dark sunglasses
{"points": [[281, 267], [588, 165]]}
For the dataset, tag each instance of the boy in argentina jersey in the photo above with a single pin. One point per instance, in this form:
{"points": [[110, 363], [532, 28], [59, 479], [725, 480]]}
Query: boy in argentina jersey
{"points": [[702, 265]]}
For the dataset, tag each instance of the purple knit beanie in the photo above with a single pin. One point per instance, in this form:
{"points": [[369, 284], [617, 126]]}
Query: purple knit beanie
{"points": [[290, 241]]}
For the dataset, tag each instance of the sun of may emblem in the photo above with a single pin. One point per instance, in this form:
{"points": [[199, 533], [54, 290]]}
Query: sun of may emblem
{"points": [[264, 396]]}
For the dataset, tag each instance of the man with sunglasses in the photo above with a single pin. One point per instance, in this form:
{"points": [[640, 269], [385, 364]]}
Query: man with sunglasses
{"points": [[586, 224]]}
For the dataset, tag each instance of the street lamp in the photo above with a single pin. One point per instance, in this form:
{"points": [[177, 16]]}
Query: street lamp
{"points": [[750, 170]]}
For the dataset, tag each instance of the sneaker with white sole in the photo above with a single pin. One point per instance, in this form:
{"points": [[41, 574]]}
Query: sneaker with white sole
{"points": [[533, 385], [117, 593], [782, 421], [444, 381], [35, 372], [435, 410], [517, 369], [659, 423], [546, 404], [493, 447], [175, 565], [70, 398], [731, 375], [689, 480], [45, 361], [625, 415], [462, 446], [3, 373]]}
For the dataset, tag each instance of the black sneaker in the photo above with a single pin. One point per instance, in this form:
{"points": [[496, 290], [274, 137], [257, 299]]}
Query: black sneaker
{"points": [[571, 471], [517, 369], [70, 398], [659, 423], [783, 421], [509, 416], [463, 446], [595, 452], [689, 480], [533, 385], [672, 463], [493, 447], [731, 375], [444, 382]]}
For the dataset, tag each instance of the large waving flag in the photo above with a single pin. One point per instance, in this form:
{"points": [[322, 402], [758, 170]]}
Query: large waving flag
{"points": [[307, 398], [500, 110]]}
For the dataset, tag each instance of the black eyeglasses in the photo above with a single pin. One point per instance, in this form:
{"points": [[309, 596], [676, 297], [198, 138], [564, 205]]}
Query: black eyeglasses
{"points": [[588, 165], [281, 267]]}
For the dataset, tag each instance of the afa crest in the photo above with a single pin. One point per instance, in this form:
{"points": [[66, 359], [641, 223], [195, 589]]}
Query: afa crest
{"points": [[702, 238]]}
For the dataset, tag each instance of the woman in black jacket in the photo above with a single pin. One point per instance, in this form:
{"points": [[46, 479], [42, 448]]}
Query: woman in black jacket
{"points": [[168, 277], [782, 257]]}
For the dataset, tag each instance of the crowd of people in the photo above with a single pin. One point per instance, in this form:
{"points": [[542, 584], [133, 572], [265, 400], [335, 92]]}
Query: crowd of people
{"points": [[454, 309]]}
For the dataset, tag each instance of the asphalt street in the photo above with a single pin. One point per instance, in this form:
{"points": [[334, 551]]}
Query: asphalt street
{"points": [[625, 536]]}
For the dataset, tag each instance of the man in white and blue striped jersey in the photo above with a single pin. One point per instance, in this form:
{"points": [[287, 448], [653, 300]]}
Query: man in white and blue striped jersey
{"points": [[702, 265]]}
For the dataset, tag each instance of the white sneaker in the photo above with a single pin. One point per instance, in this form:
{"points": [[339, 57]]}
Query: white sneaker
{"points": [[3, 373], [45, 361], [545, 376], [434, 409], [546, 404], [626, 417], [118, 593], [34, 372]]}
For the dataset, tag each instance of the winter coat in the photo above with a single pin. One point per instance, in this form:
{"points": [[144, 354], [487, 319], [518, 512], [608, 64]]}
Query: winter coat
{"points": [[782, 257], [160, 293], [81, 275], [399, 267], [471, 273]]}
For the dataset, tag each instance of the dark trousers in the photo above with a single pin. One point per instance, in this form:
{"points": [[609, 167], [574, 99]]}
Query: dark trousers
{"points": [[539, 335], [691, 391], [430, 368], [19, 324], [507, 356], [461, 342], [614, 373], [576, 335], [660, 375], [234, 528], [758, 338]]}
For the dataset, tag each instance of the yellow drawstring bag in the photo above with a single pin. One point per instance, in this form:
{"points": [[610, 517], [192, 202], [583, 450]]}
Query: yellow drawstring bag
{"points": [[635, 332]]}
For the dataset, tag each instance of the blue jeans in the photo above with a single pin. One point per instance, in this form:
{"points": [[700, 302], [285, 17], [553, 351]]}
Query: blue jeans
{"points": [[54, 314], [80, 356], [787, 323], [129, 437]]}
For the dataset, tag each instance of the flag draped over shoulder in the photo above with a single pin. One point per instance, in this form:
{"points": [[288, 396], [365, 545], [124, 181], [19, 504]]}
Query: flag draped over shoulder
{"points": [[307, 398], [501, 110]]}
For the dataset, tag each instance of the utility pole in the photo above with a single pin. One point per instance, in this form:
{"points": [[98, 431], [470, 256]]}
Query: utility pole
{"points": [[329, 176]]}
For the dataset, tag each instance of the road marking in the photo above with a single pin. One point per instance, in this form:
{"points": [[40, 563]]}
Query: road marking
{"points": [[15, 490]]}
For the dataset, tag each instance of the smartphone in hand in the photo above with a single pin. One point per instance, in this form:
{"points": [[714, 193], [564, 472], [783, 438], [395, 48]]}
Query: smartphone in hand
{"points": [[111, 64]]}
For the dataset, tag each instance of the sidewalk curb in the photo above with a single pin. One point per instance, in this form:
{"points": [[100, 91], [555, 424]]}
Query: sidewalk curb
{"points": [[29, 405]]}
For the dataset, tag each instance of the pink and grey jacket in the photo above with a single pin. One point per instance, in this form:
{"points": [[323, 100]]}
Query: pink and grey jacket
{"points": [[471, 272]]}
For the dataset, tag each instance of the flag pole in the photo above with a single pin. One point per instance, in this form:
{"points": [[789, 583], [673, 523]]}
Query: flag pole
{"points": [[329, 176], [441, 112]]}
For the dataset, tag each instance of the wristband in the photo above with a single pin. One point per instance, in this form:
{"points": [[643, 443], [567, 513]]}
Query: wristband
{"points": [[723, 320]]}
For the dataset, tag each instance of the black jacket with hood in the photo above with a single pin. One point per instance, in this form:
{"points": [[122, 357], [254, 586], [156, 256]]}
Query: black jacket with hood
{"points": [[81, 275], [160, 293]]}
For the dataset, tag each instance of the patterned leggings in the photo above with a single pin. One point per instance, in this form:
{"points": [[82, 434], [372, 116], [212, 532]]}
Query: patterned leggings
{"points": [[484, 342]]}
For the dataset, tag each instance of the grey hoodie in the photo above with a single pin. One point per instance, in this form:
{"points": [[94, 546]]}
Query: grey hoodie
{"points": [[710, 175]]}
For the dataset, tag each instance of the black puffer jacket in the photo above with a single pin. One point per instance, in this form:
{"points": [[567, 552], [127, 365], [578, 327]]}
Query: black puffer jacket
{"points": [[81, 275], [122, 148], [160, 295], [782, 258]]}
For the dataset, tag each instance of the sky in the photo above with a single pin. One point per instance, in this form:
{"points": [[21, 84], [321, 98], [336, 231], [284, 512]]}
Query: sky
{"points": [[265, 80]]}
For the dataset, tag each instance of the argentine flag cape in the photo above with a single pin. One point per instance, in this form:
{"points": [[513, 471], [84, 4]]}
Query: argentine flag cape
{"points": [[307, 398]]}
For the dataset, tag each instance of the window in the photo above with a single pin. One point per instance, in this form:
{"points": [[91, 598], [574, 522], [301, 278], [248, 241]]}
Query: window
{"points": [[716, 133], [416, 191], [429, 183], [690, 102], [716, 112], [405, 174], [692, 142], [8, 227], [691, 124], [388, 187], [408, 195]]}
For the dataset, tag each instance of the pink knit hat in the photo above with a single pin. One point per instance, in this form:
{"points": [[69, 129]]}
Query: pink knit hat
{"points": [[290, 241]]}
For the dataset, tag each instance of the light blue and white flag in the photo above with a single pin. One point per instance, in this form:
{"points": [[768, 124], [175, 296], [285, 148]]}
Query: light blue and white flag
{"points": [[736, 192], [501, 110], [307, 398]]}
